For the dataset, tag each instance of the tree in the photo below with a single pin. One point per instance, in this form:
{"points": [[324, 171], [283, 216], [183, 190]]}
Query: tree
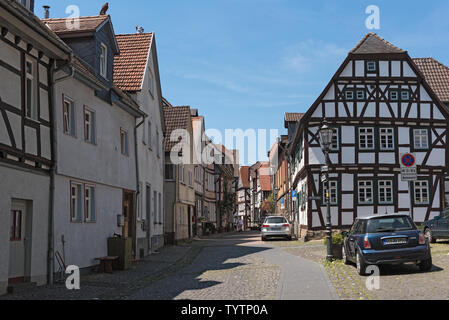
{"points": [[269, 205]]}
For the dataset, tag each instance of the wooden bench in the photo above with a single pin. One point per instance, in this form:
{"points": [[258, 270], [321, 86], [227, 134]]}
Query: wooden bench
{"points": [[106, 264]]}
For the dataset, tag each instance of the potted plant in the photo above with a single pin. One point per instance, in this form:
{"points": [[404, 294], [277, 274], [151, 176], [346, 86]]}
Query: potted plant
{"points": [[337, 245]]}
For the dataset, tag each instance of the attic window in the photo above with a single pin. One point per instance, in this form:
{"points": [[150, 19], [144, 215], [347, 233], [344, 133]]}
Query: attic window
{"points": [[104, 61], [371, 66]]}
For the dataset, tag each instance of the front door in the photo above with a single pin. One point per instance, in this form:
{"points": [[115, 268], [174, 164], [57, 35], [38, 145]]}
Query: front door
{"points": [[128, 210], [17, 243]]}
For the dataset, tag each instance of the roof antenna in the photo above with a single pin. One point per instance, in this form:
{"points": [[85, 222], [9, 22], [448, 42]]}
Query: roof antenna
{"points": [[140, 29]]}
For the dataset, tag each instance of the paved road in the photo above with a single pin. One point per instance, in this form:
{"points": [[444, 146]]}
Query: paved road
{"points": [[235, 266], [240, 267]]}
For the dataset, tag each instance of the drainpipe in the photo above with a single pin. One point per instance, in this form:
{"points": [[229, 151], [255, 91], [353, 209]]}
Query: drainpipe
{"points": [[137, 183], [53, 169]]}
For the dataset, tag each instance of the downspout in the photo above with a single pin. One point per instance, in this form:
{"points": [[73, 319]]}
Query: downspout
{"points": [[137, 184], [53, 169]]}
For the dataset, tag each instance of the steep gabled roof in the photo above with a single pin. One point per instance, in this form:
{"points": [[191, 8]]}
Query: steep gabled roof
{"points": [[244, 176], [372, 43], [130, 64], [436, 75], [29, 19], [86, 24], [292, 117], [264, 176], [175, 118]]}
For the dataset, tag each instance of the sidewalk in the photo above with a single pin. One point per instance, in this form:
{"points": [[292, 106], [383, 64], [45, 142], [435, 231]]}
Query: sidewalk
{"points": [[103, 286], [96, 286]]}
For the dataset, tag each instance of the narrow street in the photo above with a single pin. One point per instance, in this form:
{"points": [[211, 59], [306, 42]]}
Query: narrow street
{"points": [[241, 267], [236, 266]]}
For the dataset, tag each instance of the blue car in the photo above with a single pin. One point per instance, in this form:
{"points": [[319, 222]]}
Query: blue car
{"points": [[387, 239], [437, 228]]}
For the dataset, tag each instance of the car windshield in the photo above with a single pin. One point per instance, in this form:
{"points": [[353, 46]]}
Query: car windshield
{"points": [[391, 224], [275, 220]]}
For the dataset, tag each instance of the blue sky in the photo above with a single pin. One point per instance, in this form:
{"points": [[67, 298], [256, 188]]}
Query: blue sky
{"points": [[244, 63]]}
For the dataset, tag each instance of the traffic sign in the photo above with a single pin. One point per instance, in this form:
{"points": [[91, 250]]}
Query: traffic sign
{"points": [[294, 194], [408, 167], [323, 177]]}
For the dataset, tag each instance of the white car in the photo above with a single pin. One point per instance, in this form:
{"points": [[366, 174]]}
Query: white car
{"points": [[276, 227]]}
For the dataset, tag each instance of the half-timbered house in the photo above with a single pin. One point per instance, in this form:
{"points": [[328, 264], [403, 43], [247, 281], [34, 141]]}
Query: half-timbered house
{"points": [[380, 105], [29, 53]]}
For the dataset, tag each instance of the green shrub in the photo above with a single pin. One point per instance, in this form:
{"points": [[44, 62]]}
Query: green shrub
{"points": [[337, 239]]}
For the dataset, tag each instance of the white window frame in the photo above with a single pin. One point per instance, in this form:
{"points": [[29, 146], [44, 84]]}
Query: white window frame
{"points": [[407, 97], [419, 187], [335, 135], [76, 212], [366, 135], [349, 95], [90, 214], [90, 127], [32, 96], [373, 65], [150, 138], [365, 187], [394, 95], [104, 61], [385, 190], [418, 133], [387, 134], [363, 92], [333, 193], [68, 116], [124, 143]]}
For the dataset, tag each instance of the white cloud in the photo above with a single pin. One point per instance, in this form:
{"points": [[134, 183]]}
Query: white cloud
{"points": [[311, 54]]}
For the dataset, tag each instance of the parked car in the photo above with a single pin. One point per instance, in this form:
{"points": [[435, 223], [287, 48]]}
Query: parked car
{"points": [[276, 227], [387, 239], [437, 228]]}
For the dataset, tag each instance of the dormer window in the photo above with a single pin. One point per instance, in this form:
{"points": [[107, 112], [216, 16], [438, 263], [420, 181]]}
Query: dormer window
{"points": [[104, 61], [371, 66]]}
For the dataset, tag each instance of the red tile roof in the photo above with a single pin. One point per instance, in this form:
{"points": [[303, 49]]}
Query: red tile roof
{"points": [[130, 64], [292, 117], [436, 75], [265, 177], [86, 24], [372, 43], [244, 176], [175, 118]]}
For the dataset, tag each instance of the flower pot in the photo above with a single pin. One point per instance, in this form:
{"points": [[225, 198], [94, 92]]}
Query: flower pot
{"points": [[337, 251]]}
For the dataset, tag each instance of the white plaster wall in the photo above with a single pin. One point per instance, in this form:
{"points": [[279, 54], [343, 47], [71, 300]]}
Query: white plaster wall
{"points": [[85, 241], [151, 166], [33, 187], [103, 162]]}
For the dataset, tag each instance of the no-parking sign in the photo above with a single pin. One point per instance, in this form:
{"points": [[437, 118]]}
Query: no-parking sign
{"points": [[408, 167]]}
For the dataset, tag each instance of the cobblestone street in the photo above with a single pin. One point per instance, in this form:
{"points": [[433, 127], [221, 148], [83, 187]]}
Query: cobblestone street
{"points": [[404, 282], [238, 266]]}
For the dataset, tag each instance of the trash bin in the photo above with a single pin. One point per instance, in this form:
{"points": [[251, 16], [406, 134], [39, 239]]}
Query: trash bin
{"points": [[122, 248]]}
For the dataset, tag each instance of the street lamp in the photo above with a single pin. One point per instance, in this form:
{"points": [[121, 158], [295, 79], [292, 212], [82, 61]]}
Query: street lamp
{"points": [[326, 134]]}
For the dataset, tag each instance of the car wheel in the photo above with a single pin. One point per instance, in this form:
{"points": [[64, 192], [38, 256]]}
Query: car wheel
{"points": [[289, 238], [429, 236], [345, 256], [361, 266], [264, 239], [426, 265]]}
